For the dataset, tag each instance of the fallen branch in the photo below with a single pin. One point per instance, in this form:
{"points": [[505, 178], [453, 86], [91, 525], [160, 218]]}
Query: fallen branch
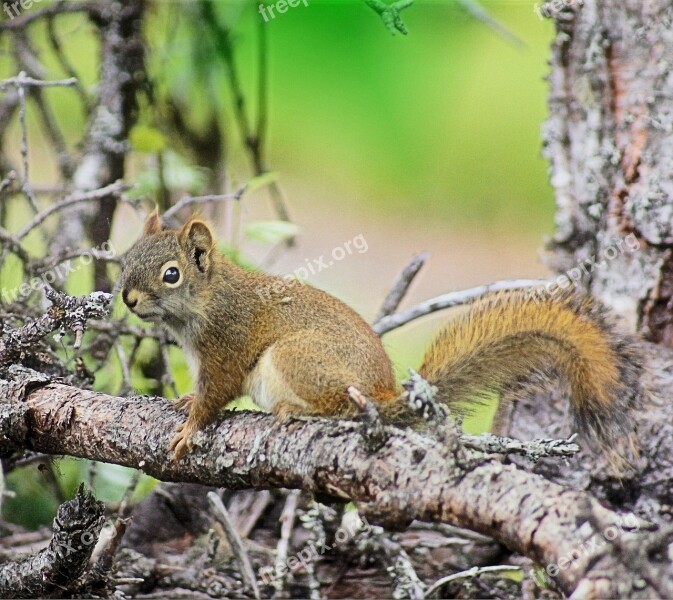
{"points": [[56, 568]]}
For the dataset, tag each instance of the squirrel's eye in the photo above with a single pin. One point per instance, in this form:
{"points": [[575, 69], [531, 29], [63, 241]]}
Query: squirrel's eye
{"points": [[171, 275]]}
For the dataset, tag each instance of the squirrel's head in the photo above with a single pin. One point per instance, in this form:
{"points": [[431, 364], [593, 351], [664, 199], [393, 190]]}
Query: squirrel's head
{"points": [[168, 270]]}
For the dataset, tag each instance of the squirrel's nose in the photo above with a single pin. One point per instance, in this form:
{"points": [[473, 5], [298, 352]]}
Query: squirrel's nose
{"points": [[130, 302]]}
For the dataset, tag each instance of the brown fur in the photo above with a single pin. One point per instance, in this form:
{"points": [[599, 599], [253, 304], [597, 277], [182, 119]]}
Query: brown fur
{"points": [[296, 349]]}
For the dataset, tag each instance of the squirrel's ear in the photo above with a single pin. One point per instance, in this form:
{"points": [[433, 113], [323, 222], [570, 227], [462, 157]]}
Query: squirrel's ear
{"points": [[152, 223], [198, 241]]}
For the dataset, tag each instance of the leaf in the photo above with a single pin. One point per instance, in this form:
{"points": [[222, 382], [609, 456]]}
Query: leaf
{"points": [[261, 180], [271, 232], [147, 139]]}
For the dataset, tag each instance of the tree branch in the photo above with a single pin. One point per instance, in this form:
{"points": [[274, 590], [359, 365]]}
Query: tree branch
{"points": [[411, 477]]}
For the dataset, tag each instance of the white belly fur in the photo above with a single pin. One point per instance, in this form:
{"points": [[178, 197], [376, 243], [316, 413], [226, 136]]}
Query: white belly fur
{"points": [[266, 386]]}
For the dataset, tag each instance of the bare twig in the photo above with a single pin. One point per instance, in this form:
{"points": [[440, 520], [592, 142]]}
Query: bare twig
{"points": [[66, 313], [253, 141], [401, 286], [449, 300], [25, 185], [65, 64], [235, 542], [473, 572], [13, 245], [114, 189], [187, 200], [24, 81], [374, 433], [287, 518], [19, 23]]}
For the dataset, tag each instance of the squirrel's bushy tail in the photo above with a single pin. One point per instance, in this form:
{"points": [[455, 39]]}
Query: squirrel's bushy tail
{"points": [[509, 337]]}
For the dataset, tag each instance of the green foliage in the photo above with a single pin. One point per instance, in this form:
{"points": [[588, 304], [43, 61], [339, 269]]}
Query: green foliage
{"points": [[178, 175], [271, 232]]}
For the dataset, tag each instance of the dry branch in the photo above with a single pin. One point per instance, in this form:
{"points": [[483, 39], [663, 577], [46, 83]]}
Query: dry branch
{"points": [[53, 570], [411, 477]]}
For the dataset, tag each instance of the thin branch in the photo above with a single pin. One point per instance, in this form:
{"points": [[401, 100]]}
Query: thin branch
{"points": [[23, 81], [401, 286], [470, 573], [287, 518], [21, 22], [66, 66], [253, 142], [187, 200], [116, 188], [66, 313], [25, 185], [235, 542], [449, 300]]}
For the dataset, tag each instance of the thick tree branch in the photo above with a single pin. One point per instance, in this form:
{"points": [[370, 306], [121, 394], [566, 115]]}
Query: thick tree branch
{"points": [[411, 477]]}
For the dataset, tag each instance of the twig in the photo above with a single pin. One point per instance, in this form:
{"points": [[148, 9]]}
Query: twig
{"points": [[7, 181], [14, 246], [235, 542], [449, 300], [247, 509], [533, 449], [478, 12], [253, 142], [187, 200], [25, 185], [123, 360], [23, 81], [374, 433], [66, 313], [287, 525], [401, 286], [473, 572], [116, 188], [21, 22], [66, 66], [120, 327]]}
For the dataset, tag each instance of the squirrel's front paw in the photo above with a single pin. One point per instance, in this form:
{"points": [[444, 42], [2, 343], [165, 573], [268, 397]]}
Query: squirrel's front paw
{"points": [[182, 442], [183, 404]]}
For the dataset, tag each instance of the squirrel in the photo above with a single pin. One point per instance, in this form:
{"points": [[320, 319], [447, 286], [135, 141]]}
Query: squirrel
{"points": [[295, 349]]}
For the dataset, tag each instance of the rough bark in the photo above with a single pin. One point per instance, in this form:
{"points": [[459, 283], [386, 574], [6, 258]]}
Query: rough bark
{"points": [[114, 113], [609, 145], [51, 571], [411, 477]]}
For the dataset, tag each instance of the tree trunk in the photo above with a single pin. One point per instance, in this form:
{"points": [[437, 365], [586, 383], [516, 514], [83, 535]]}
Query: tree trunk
{"points": [[610, 150]]}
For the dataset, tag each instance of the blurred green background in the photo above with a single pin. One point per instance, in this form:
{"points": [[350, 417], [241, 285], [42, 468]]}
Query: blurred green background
{"points": [[429, 141]]}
